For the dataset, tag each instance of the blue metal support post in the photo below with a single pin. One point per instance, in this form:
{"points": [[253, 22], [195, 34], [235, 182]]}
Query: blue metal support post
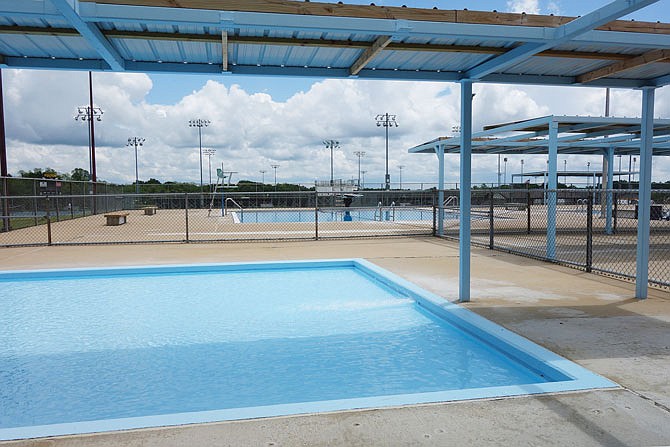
{"points": [[609, 202], [552, 182], [466, 186], [439, 150], [644, 198]]}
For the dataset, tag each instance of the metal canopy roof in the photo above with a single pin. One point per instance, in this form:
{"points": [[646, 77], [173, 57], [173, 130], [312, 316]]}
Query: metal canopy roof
{"points": [[289, 38], [577, 135]]}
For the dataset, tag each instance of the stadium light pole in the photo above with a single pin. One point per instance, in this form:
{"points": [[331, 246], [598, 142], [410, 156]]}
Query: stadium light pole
{"points": [[209, 153], [359, 154], [363, 179], [200, 123], [275, 168], [400, 168], [332, 144], [385, 120], [136, 141], [90, 114], [505, 177]]}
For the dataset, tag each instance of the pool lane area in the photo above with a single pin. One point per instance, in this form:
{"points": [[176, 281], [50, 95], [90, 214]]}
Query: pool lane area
{"points": [[89, 350]]}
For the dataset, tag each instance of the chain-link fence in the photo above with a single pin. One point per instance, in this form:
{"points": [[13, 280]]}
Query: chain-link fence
{"points": [[194, 217], [595, 230]]}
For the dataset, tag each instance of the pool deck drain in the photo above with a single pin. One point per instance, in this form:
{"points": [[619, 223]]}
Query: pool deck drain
{"points": [[591, 320]]}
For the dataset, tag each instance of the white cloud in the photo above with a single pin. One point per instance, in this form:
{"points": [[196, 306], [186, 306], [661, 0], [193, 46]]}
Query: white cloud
{"points": [[251, 131], [527, 6]]}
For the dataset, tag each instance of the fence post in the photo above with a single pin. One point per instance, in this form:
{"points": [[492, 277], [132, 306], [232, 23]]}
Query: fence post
{"points": [[616, 211], [491, 221], [35, 202], [528, 209], [186, 211], [589, 234], [48, 218]]}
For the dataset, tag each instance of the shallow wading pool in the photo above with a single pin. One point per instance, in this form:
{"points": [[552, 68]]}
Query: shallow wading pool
{"points": [[92, 350]]}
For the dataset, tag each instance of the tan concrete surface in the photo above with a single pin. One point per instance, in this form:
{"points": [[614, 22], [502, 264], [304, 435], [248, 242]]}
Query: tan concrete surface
{"points": [[592, 320]]}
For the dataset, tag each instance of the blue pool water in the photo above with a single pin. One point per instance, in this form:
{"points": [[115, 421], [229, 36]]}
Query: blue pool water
{"points": [[135, 347], [278, 216]]}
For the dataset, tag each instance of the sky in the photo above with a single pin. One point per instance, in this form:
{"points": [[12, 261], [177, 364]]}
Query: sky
{"points": [[260, 121]]}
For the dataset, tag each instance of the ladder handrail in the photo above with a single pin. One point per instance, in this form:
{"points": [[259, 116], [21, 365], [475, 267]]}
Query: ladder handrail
{"points": [[225, 206], [451, 200]]}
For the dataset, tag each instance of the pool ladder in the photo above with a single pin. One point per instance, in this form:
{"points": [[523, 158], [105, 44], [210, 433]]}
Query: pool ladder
{"points": [[390, 212], [239, 207]]}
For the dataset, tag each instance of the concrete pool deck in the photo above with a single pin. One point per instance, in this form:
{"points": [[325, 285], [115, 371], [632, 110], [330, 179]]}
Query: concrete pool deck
{"points": [[590, 319]]}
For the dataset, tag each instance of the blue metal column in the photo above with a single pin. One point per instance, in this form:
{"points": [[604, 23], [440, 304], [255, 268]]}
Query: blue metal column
{"points": [[466, 182], [552, 186], [644, 198], [609, 154], [439, 150]]}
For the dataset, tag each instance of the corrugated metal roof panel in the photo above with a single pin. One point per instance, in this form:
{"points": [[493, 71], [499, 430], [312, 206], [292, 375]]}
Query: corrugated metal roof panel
{"points": [[556, 66]]}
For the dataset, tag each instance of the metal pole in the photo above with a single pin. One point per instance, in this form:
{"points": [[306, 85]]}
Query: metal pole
{"points": [[644, 191], [387, 177], [201, 187], [137, 172], [94, 175], [466, 191], [3, 162], [498, 170]]}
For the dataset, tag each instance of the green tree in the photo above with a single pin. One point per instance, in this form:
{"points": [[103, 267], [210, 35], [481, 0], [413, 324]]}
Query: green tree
{"points": [[80, 174]]}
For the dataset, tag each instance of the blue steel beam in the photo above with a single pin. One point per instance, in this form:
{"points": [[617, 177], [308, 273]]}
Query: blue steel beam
{"points": [[465, 193], [644, 195], [92, 34], [560, 35], [609, 159], [553, 186], [439, 151]]}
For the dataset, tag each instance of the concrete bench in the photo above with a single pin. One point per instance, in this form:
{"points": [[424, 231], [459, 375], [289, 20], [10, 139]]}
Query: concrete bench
{"points": [[150, 210], [116, 218], [516, 206]]}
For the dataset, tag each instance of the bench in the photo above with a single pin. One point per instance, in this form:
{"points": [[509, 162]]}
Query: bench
{"points": [[150, 210], [116, 218]]}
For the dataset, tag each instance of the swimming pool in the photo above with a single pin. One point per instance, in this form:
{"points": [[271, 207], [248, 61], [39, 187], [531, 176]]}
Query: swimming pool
{"points": [[356, 215], [90, 350]]}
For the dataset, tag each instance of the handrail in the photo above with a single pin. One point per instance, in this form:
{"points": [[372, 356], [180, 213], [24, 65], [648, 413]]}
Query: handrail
{"points": [[225, 206], [451, 200]]}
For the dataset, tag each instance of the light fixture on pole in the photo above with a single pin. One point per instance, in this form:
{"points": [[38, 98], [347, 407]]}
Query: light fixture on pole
{"points": [[200, 123], [209, 153], [332, 144], [400, 168], [386, 121], [136, 141], [359, 154], [275, 168]]}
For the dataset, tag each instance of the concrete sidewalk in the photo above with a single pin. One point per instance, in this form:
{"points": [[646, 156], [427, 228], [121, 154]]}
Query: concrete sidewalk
{"points": [[590, 319]]}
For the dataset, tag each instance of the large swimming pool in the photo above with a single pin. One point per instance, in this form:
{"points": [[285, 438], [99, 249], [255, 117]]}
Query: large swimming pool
{"points": [[325, 215], [104, 349]]}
